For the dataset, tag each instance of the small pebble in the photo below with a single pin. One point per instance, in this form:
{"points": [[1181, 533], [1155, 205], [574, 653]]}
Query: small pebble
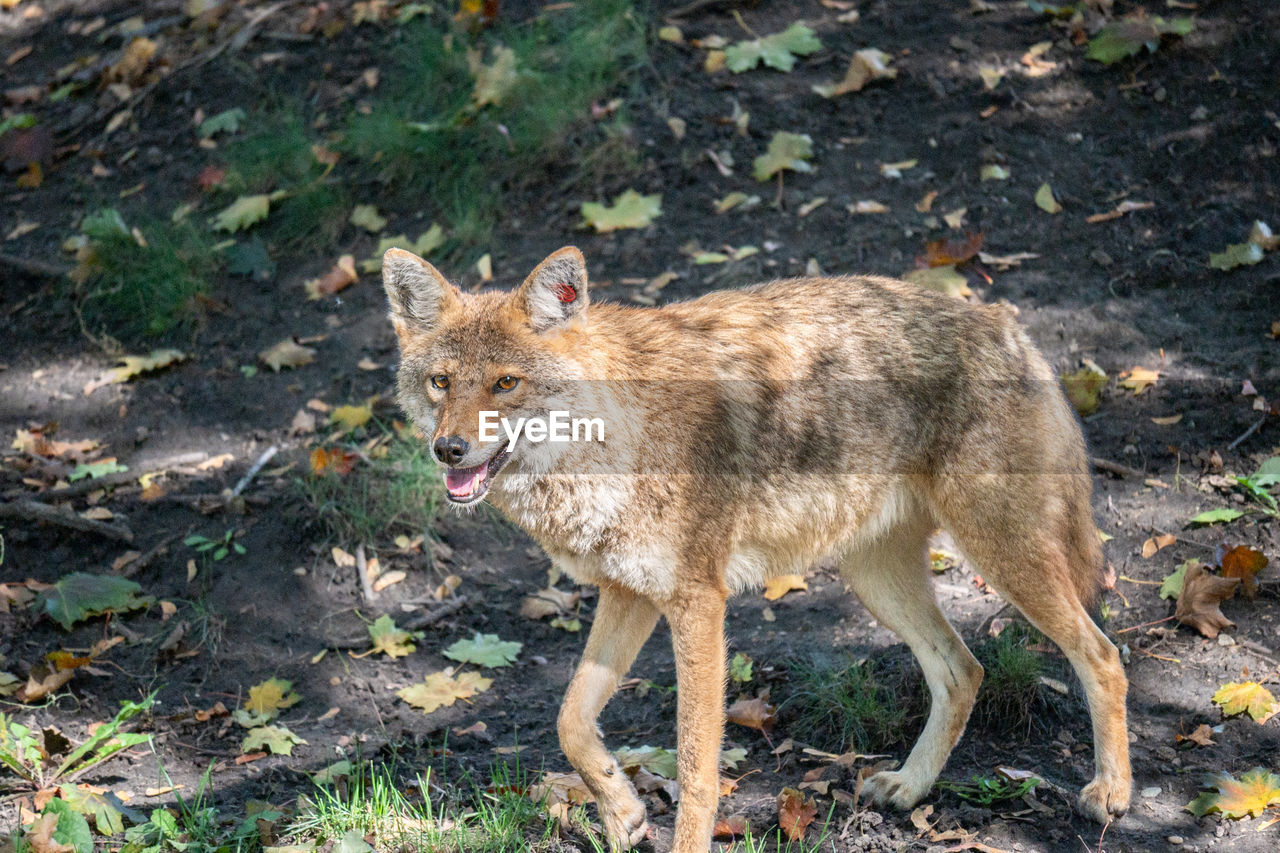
{"points": [[1149, 793], [1174, 839]]}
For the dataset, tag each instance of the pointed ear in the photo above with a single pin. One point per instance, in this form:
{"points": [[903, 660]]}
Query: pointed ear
{"points": [[417, 292], [556, 291]]}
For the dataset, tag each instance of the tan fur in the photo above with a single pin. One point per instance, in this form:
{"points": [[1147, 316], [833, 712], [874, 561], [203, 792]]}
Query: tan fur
{"points": [[752, 433]]}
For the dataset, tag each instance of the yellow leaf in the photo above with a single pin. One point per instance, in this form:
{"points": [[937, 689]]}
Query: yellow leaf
{"points": [[243, 212], [441, 689], [1246, 697], [629, 210], [866, 65], [1045, 200], [132, 365], [287, 354], [943, 279], [1138, 379], [779, 585], [493, 82], [271, 696], [350, 417], [1255, 791], [1083, 386]]}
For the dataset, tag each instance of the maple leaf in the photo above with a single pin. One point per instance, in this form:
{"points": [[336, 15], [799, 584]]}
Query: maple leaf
{"points": [[779, 585], [1244, 563], [1246, 697], [629, 210], [1138, 379], [287, 353], [561, 788], [1083, 387], [428, 241], [942, 253], [350, 417], [786, 151], [1127, 36], [442, 689], [366, 216], [655, 759], [277, 740], [866, 65], [493, 82], [1171, 586], [1202, 736], [727, 828], [133, 365], [778, 50], [270, 697], [245, 211], [394, 642], [1198, 602], [484, 650], [79, 595], [795, 813], [754, 713], [1253, 793], [1221, 515]]}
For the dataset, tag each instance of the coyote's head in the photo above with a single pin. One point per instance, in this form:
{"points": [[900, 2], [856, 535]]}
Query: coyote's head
{"points": [[463, 354]]}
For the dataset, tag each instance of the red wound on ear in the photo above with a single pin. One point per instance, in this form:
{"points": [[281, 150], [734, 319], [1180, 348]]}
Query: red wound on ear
{"points": [[564, 292]]}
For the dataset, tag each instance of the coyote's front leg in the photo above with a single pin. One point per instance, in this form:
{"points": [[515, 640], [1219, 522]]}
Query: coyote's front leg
{"points": [[623, 621], [697, 637]]}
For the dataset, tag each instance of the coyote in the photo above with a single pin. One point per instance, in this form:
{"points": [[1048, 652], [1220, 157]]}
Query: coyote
{"points": [[752, 433]]}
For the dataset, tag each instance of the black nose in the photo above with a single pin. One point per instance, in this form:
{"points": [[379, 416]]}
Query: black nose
{"points": [[450, 449]]}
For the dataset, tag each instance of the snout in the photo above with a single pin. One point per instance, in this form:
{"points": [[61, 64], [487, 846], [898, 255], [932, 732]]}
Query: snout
{"points": [[450, 449]]}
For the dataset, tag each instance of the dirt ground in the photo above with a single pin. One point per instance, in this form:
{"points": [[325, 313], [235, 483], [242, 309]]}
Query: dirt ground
{"points": [[1192, 128]]}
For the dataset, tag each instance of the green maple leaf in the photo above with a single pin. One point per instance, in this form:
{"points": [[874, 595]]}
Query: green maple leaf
{"points": [[1236, 255], [1128, 36], [227, 121], [1246, 697], [1215, 516], [655, 759], [629, 210], [271, 696], [107, 811], [277, 740], [428, 241], [484, 650], [94, 470], [394, 642], [776, 51], [1171, 587], [786, 151], [366, 216], [79, 596]]}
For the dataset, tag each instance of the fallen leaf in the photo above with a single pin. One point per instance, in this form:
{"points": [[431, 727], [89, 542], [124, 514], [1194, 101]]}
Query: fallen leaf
{"points": [[389, 639], [1236, 255], [866, 65], [442, 689], [1138, 379], [629, 210], [993, 172], [1248, 697], [134, 365], [561, 788], [287, 353], [955, 219], [778, 50], [1045, 200], [1260, 234], [1202, 736], [779, 585], [754, 713], [786, 151], [942, 279], [495, 81], [78, 596], [1006, 262], [1129, 35], [1155, 543], [1253, 793], [942, 253], [867, 206], [277, 740], [1198, 603], [727, 828], [795, 813], [227, 121], [1168, 420], [925, 204], [1222, 515], [366, 216], [428, 241], [1244, 563], [271, 696], [244, 212], [342, 275], [350, 417], [655, 759], [1120, 210], [1171, 585], [484, 650]]}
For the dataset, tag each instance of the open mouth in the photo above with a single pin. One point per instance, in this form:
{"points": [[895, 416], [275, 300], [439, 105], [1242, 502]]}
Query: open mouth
{"points": [[466, 486]]}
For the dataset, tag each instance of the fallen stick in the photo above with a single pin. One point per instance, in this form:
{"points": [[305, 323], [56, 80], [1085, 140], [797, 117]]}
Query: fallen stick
{"points": [[1257, 425], [266, 457], [422, 620], [146, 559], [87, 485], [29, 510], [362, 568], [1116, 468], [30, 267]]}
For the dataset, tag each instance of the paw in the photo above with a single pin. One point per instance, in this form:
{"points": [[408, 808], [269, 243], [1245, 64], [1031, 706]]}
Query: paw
{"points": [[1104, 800], [625, 825], [900, 789]]}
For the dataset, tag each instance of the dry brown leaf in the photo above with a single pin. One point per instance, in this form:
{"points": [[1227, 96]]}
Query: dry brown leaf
{"points": [[753, 713], [1120, 210], [795, 813], [1244, 563], [1202, 736], [1198, 602], [342, 274], [727, 828], [1155, 543]]}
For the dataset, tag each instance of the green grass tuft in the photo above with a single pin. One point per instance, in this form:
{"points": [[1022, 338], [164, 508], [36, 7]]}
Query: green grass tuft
{"points": [[399, 491], [135, 289], [1012, 696], [857, 705]]}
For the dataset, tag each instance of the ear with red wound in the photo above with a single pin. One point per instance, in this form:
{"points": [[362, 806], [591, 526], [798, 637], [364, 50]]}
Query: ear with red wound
{"points": [[555, 293], [417, 292]]}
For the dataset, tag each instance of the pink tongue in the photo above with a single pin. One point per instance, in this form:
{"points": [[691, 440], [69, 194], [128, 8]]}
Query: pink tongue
{"points": [[462, 482]]}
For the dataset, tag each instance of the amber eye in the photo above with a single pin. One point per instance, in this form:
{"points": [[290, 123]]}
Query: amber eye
{"points": [[440, 381], [506, 383]]}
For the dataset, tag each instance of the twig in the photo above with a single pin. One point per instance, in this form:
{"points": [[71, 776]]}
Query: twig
{"points": [[1257, 425], [253, 472], [88, 485], [423, 620], [362, 567], [1146, 624], [1184, 540], [1116, 468], [29, 510], [30, 267], [145, 560]]}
